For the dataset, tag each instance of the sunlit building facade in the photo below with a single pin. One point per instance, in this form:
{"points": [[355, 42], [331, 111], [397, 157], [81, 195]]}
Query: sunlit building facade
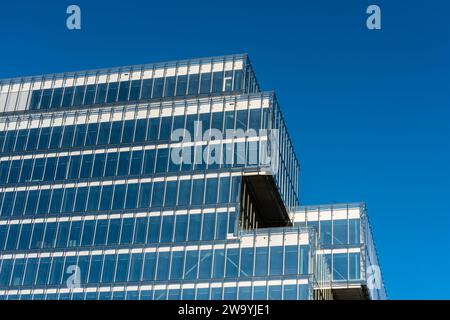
{"points": [[174, 180]]}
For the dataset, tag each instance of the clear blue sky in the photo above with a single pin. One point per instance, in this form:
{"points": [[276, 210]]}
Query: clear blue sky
{"points": [[368, 111]]}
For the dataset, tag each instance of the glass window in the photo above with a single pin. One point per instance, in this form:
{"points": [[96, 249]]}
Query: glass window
{"points": [[99, 165], [144, 195], [140, 232], [101, 232], [75, 234], [354, 231], [86, 166], [88, 233], [103, 134], [167, 228], [114, 231], [246, 262], [176, 271], [232, 263], [79, 95], [325, 232], [194, 227], [219, 263], [170, 87], [217, 82], [261, 261], [132, 195], [158, 86], [190, 272], [136, 267], [74, 167], [95, 269], [136, 162], [205, 83], [108, 268], [119, 196], [354, 266], [211, 186], [197, 191], [181, 85], [44, 138], [101, 93], [163, 266], [68, 96], [116, 132], [204, 271], [112, 92], [123, 91], [340, 267], [91, 137], [90, 94], [122, 267], [194, 80], [209, 222], [153, 230], [111, 164], [135, 90], [80, 202], [158, 194], [149, 266], [171, 193], [276, 260], [124, 163], [340, 232], [127, 231], [146, 88], [290, 260], [128, 131], [105, 200], [141, 130]]}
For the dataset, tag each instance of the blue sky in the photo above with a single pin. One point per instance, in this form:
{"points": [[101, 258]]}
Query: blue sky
{"points": [[368, 111]]}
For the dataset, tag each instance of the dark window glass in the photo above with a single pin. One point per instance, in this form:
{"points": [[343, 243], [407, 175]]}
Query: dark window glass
{"points": [[100, 232], [184, 193], [144, 195], [32, 139], [209, 222], [46, 96], [238, 75], [68, 96], [35, 99], [127, 231], [99, 165], [195, 221], [68, 200], [74, 167], [158, 87], [50, 235], [153, 230], [161, 162], [44, 201], [171, 194], [50, 169], [68, 136], [167, 228], [55, 205], [61, 170], [90, 94], [136, 162], [158, 194], [80, 202], [197, 192], [124, 90], [101, 93], [205, 84], [181, 85], [135, 90], [38, 169], [141, 130], [94, 196], [124, 163], [149, 161], [152, 134], [170, 87], [191, 266], [57, 97], [111, 164], [86, 166], [128, 131], [146, 88], [132, 195], [119, 197], [232, 263], [21, 140], [181, 228], [112, 92], [79, 95], [103, 135], [217, 82], [114, 231], [194, 80], [116, 132], [36, 238], [91, 137], [105, 202], [56, 137], [80, 135], [140, 232], [44, 138]]}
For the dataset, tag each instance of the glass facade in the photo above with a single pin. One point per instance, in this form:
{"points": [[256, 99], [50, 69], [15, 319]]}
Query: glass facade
{"points": [[167, 181]]}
